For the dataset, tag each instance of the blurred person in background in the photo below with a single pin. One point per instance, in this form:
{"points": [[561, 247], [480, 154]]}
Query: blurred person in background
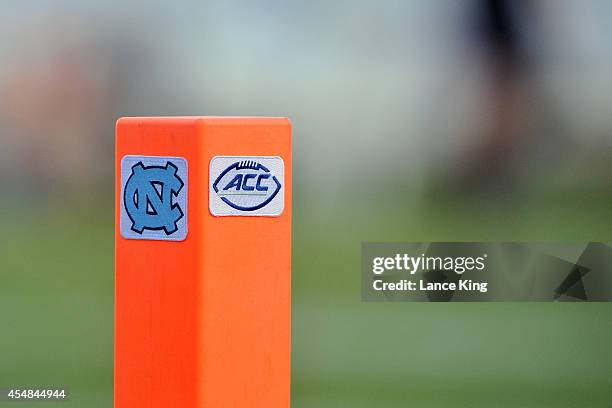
{"points": [[497, 34], [537, 108], [62, 90], [500, 30]]}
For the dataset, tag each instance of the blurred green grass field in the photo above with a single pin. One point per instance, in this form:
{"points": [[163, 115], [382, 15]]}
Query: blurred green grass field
{"points": [[56, 309]]}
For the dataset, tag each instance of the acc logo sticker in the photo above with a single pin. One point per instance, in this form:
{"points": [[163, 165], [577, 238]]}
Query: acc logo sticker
{"points": [[247, 186], [154, 198]]}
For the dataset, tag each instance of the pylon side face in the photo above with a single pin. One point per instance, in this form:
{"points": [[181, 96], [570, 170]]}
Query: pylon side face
{"points": [[203, 261]]}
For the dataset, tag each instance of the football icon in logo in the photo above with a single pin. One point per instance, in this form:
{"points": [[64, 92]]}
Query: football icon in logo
{"points": [[246, 186]]}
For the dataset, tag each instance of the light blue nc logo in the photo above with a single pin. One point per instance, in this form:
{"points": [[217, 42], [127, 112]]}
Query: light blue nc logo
{"points": [[148, 198], [154, 198]]}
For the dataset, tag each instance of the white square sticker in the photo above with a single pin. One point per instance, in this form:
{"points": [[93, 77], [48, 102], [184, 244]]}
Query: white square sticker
{"points": [[247, 186]]}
